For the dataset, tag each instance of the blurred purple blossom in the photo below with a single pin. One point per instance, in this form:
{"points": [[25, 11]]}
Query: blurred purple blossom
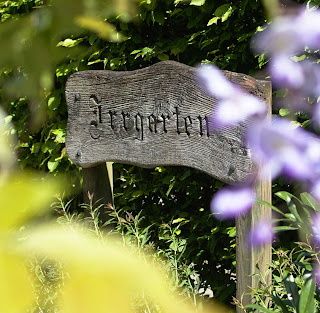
{"points": [[302, 77], [215, 82], [316, 114], [316, 273], [234, 105], [280, 37], [282, 148], [261, 234], [286, 73], [287, 36], [232, 202], [290, 34], [308, 27], [316, 228], [315, 190]]}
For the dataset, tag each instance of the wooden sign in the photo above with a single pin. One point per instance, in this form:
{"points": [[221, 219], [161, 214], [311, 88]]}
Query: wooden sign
{"points": [[160, 115], [154, 116]]}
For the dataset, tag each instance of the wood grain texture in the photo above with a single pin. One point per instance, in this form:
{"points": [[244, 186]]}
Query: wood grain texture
{"points": [[253, 263], [155, 116]]}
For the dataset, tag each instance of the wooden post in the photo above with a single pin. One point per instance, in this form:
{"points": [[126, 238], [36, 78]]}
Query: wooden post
{"points": [[252, 263], [97, 180]]}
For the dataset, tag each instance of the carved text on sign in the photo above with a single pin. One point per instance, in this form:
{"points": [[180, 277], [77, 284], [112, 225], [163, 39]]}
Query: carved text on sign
{"points": [[137, 124]]}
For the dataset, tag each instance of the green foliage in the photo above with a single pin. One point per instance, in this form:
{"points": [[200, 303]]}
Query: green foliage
{"points": [[33, 77], [175, 201], [293, 287]]}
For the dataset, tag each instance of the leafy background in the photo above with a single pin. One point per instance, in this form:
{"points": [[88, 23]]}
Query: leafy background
{"points": [[191, 32]]}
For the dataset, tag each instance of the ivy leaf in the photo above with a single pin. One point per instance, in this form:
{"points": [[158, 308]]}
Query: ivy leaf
{"points": [[69, 43], [214, 20], [197, 2], [222, 9], [284, 112], [226, 15], [52, 165]]}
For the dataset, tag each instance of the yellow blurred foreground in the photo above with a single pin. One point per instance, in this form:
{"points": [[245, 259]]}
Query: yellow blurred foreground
{"points": [[102, 276]]}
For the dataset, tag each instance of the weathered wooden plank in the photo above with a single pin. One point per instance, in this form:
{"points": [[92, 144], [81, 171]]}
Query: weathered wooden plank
{"points": [[154, 116], [252, 263]]}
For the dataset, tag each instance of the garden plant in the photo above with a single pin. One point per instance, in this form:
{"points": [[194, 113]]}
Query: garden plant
{"points": [[162, 227]]}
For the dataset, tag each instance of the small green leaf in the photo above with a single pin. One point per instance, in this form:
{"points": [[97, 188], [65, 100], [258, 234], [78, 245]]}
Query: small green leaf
{"points": [[178, 220], [197, 2], [69, 43], [298, 59], [35, 147], [135, 51], [53, 103], [226, 15], [288, 197], [222, 9], [163, 57], [285, 228], [214, 20], [52, 165], [259, 307], [284, 112], [307, 199], [137, 193]]}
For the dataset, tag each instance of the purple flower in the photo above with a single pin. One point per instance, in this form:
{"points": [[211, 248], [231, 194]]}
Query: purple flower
{"points": [[281, 149], [311, 86], [315, 190], [215, 82], [316, 273], [308, 28], [290, 34], [280, 37], [316, 228], [235, 106], [261, 234], [286, 73], [231, 202], [316, 114]]}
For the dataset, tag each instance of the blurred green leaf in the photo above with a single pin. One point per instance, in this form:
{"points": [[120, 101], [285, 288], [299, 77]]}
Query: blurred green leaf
{"points": [[35, 196], [103, 29], [307, 301], [292, 290]]}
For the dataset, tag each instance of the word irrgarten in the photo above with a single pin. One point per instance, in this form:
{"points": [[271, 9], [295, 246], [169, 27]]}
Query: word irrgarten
{"points": [[128, 123]]}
